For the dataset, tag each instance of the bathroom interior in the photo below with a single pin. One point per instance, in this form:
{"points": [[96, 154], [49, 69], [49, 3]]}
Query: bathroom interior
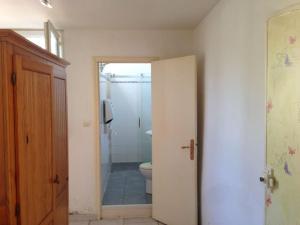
{"points": [[125, 136]]}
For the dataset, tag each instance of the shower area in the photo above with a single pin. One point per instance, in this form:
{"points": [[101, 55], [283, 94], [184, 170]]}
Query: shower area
{"points": [[125, 107]]}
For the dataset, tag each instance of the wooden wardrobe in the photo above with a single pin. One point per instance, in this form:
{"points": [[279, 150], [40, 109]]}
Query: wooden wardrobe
{"points": [[33, 134]]}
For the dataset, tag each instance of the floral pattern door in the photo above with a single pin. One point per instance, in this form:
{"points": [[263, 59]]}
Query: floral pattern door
{"points": [[283, 119]]}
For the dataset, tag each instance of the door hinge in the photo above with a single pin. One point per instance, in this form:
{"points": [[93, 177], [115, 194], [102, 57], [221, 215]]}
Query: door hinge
{"points": [[18, 210], [14, 78]]}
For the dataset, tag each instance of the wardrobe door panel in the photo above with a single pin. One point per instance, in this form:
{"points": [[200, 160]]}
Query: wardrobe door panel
{"points": [[3, 207], [34, 141], [60, 135], [60, 148], [61, 215], [3, 147]]}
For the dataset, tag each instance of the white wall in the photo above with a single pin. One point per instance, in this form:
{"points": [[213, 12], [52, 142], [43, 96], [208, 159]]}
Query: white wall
{"points": [[80, 47], [231, 47]]}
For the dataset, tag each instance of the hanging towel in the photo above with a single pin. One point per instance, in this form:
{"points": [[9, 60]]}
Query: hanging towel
{"points": [[107, 111]]}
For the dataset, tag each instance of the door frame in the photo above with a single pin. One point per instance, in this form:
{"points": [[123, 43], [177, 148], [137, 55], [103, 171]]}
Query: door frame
{"points": [[96, 61]]}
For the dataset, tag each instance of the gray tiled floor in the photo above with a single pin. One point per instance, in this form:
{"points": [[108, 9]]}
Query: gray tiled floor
{"points": [[85, 220], [126, 186]]}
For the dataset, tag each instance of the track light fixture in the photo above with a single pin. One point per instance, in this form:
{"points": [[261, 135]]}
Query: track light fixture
{"points": [[47, 3]]}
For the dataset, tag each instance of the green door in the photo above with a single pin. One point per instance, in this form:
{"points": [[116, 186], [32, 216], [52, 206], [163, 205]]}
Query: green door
{"points": [[283, 119]]}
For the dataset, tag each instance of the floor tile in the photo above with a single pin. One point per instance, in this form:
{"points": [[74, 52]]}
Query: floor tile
{"points": [[107, 222], [126, 186], [145, 223], [110, 199], [132, 200], [140, 221], [81, 217], [79, 223]]}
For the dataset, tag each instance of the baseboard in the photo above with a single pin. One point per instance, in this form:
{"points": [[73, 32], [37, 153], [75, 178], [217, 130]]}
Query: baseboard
{"points": [[126, 211]]}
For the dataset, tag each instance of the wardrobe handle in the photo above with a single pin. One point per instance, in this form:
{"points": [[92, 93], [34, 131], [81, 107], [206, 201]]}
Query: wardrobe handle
{"points": [[56, 179]]}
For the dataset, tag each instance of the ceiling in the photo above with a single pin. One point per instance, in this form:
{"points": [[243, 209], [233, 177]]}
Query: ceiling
{"points": [[105, 14]]}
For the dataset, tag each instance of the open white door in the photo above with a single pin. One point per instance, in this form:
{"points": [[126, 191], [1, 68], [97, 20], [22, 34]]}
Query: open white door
{"points": [[174, 152]]}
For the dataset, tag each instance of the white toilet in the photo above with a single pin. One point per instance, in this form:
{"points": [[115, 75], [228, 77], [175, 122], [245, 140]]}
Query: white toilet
{"points": [[146, 170]]}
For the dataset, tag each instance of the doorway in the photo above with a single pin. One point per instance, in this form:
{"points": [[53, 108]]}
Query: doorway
{"points": [[172, 165], [125, 112]]}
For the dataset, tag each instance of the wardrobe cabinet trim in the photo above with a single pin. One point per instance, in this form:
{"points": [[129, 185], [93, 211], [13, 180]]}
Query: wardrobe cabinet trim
{"points": [[17, 40]]}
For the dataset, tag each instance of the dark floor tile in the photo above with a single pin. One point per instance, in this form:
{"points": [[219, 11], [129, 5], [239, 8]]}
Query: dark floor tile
{"points": [[129, 200], [112, 197], [118, 175], [117, 180], [135, 186], [135, 180], [134, 192], [126, 186], [148, 199]]}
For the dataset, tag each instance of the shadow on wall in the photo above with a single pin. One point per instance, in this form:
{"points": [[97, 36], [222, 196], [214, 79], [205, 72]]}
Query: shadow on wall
{"points": [[200, 109]]}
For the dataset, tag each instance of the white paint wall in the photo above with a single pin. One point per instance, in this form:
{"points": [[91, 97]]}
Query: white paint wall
{"points": [[231, 47], [80, 47]]}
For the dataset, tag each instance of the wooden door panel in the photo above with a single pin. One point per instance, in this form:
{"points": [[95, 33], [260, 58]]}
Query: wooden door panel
{"points": [[3, 189], [61, 209], [3, 215], [2, 173], [48, 220], [34, 141], [60, 135]]}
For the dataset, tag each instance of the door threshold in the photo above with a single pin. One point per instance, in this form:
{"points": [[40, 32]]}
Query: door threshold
{"points": [[126, 211]]}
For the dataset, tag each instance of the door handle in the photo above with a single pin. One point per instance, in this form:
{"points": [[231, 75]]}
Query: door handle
{"points": [[191, 147], [56, 179], [270, 180]]}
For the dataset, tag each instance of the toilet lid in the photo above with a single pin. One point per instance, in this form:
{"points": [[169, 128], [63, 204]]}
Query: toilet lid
{"points": [[146, 166]]}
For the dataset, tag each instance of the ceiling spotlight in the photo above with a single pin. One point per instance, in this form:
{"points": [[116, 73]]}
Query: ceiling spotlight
{"points": [[46, 3]]}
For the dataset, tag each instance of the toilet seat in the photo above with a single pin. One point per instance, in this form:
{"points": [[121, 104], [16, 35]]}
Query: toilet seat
{"points": [[146, 170], [146, 166]]}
